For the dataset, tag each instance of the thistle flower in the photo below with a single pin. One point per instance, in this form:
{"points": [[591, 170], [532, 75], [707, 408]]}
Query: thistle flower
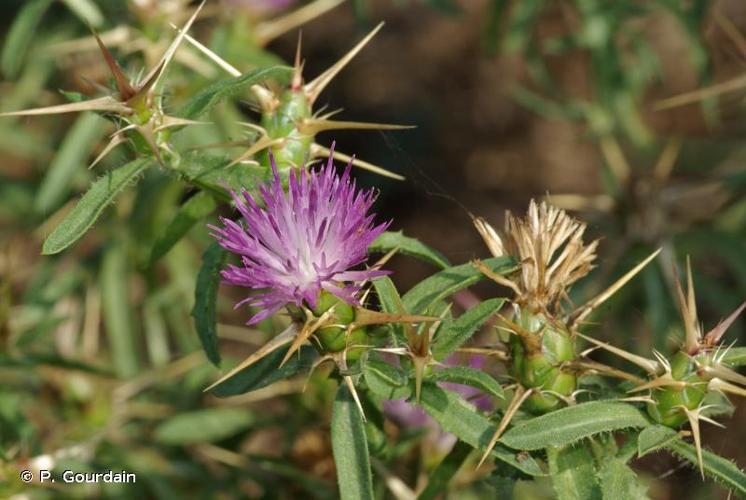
{"points": [[294, 245], [549, 245]]}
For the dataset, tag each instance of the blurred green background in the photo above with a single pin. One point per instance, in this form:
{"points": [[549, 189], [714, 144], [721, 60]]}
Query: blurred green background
{"points": [[511, 99]]}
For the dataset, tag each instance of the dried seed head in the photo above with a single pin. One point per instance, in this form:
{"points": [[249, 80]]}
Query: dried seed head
{"points": [[549, 245]]}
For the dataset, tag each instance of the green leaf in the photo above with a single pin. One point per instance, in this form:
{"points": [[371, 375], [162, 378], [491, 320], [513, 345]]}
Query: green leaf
{"points": [[20, 34], [350, 448], [439, 478], [718, 468], [72, 154], [573, 423], [461, 419], [213, 173], [156, 333], [205, 300], [468, 376], [408, 246], [206, 99], [193, 210], [573, 473], [267, 371], [87, 11], [735, 356], [117, 310], [444, 283], [619, 482], [455, 332], [654, 438], [388, 297], [91, 204], [447, 408], [203, 426], [386, 380]]}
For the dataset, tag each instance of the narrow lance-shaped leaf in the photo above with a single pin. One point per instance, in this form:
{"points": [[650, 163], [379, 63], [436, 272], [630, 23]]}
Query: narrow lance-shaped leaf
{"points": [[461, 419], [205, 300], [386, 381], [619, 482], [448, 409], [654, 438], [71, 156], [19, 36], [468, 376], [193, 210], [203, 426], [350, 448], [117, 310], [390, 301], [207, 98], [718, 468], [101, 193], [565, 426], [214, 173], [573, 473], [267, 371], [87, 11], [444, 283], [439, 478], [408, 246], [455, 332]]}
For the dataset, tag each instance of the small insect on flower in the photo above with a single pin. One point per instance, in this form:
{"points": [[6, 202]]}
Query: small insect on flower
{"points": [[295, 244]]}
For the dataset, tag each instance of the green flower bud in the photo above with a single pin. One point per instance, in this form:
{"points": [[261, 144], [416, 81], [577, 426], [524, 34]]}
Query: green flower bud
{"points": [[670, 402], [537, 361], [335, 338], [281, 123]]}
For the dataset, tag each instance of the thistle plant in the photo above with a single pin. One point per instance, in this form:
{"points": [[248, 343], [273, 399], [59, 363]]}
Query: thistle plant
{"points": [[680, 384], [538, 257], [552, 255]]}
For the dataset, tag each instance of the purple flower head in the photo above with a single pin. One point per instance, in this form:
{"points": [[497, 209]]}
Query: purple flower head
{"points": [[294, 245]]}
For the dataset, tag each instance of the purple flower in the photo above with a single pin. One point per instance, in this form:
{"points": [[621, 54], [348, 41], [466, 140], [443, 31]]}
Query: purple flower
{"points": [[294, 245]]}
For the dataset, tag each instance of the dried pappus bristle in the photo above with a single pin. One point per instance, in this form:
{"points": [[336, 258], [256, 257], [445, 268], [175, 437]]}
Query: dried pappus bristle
{"points": [[549, 245]]}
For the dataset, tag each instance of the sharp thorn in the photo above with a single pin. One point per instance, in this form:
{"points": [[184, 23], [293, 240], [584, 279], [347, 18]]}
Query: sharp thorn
{"points": [[151, 80], [114, 142], [280, 340], [315, 87], [318, 150], [713, 336], [519, 397], [589, 306], [722, 386], [219, 61], [649, 365], [102, 104], [269, 30], [309, 328], [312, 126], [263, 143], [126, 90], [497, 278], [353, 391]]}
